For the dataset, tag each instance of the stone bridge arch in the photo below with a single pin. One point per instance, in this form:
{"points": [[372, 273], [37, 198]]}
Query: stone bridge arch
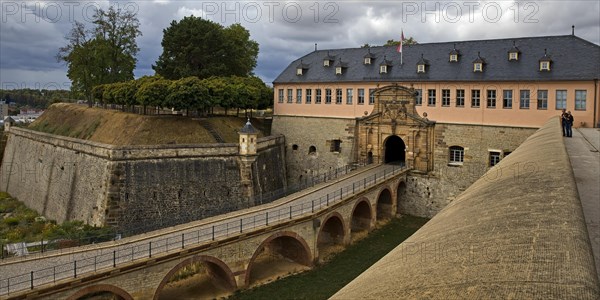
{"points": [[286, 244], [218, 272], [362, 217], [384, 204], [332, 233], [99, 288]]}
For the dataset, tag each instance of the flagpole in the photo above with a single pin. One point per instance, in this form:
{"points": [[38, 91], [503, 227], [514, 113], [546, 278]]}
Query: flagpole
{"points": [[401, 46]]}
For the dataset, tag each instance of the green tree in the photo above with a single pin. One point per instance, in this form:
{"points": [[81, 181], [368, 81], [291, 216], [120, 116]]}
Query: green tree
{"points": [[102, 54], [153, 93], [408, 41], [197, 47]]}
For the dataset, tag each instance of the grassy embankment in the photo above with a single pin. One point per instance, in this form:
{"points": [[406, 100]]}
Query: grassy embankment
{"points": [[121, 128], [325, 280]]}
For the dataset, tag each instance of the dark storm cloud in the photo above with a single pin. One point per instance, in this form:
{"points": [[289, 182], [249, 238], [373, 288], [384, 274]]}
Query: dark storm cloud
{"points": [[288, 30]]}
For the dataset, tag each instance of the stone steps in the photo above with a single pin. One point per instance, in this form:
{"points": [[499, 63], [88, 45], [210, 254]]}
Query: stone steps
{"points": [[204, 123]]}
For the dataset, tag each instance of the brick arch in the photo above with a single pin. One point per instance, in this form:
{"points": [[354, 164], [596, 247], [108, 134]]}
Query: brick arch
{"points": [[400, 192], [387, 207], [370, 210], [101, 288], [306, 260], [334, 214], [210, 263]]}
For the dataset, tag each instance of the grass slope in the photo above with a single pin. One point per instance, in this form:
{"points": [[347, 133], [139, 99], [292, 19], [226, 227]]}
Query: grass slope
{"points": [[120, 128], [325, 280]]}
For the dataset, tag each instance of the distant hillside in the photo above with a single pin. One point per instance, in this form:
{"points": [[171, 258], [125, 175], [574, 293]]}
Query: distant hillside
{"points": [[119, 128]]}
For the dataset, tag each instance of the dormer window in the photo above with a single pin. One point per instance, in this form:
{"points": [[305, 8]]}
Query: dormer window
{"points": [[300, 68], [328, 60], [368, 58], [384, 65], [339, 67], [422, 65], [478, 63], [513, 53], [454, 54], [545, 62]]}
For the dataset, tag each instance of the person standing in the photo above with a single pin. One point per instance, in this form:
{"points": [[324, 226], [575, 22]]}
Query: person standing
{"points": [[563, 121], [569, 124]]}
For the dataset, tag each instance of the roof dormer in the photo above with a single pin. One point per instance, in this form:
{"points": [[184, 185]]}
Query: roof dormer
{"points": [[513, 53], [478, 63], [328, 60], [454, 54], [340, 67], [385, 65], [545, 62], [300, 68], [422, 65], [368, 58]]}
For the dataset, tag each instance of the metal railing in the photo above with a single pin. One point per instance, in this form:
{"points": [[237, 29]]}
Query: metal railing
{"points": [[196, 237]]}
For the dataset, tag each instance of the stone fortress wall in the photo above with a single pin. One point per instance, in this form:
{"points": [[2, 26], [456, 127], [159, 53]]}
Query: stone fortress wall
{"points": [[135, 188]]}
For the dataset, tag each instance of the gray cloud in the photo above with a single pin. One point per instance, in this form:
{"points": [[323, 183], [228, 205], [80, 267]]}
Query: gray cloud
{"points": [[30, 37]]}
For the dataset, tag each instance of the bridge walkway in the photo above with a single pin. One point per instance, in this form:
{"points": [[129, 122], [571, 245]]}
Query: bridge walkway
{"points": [[585, 161], [19, 274]]}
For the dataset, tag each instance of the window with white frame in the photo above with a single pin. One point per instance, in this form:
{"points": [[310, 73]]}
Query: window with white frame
{"points": [[460, 98], [419, 97], [507, 98], [477, 67], [456, 155], [453, 57], [367, 60], [298, 95], [290, 96], [542, 99], [445, 97], [338, 96], [338, 70], [420, 68], [475, 98], [280, 95], [544, 66], [371, 96], [308, 96], [318, 96], [561, 99], [431, 97], [495, 157], [491, 99], [524, 99], [299, 71], [513, 55], [361, 96], [383, 69], [326, 63], [580, 100], [327, 96], [349, 95]]}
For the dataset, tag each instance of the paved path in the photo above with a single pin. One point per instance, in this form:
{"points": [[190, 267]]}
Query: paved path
{"points": [[15, 272], [585, 160]]}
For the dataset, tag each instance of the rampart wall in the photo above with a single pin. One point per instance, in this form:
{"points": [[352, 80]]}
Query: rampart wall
{"points": [[135, 188]]}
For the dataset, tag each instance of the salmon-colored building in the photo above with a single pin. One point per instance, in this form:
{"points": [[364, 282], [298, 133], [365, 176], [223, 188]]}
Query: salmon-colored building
{"points": [[456, 107]]}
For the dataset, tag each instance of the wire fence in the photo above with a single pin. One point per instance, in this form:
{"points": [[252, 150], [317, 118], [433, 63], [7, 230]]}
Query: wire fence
{"points": [[192, 237]]}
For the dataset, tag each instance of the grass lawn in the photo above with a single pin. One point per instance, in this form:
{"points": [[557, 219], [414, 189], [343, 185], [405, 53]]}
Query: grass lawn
{"points": [[325, 280]]}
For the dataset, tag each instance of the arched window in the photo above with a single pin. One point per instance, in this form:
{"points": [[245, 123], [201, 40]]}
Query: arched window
{"points": [[312, 150], [294, 147], [456, 155]]}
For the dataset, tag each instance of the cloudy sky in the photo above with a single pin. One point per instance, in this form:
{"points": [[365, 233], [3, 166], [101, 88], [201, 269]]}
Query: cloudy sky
{"points": [[32, 31]]}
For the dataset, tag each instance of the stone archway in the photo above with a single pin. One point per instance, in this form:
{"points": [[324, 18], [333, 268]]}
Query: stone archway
{"points": [[280, 254], [395, 150], [202, 273], [101, 290], [361, 219], [384, 205], [331, 236], [400, 195]]}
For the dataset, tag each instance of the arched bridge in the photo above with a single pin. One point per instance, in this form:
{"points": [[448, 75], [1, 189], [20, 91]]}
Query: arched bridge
{"points": [[233, 251]]}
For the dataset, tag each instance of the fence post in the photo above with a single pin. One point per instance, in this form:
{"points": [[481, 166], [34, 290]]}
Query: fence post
{"points": [[241, 225], [150, 249], [313, 206], [327, 199], [375, 180], [74, 270], [182, 241], [114, 258], [267, 219], [365, 183], [352, 187], [213, 232], [42, 245], [341, 193], [290, 212], [32, 280]]}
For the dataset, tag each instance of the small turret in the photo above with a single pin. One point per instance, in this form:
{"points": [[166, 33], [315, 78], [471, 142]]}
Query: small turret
{"points": [[248, 135], [8, 122]]}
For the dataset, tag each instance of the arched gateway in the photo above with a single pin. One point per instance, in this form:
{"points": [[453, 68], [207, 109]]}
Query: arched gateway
{"points": [[394, 132]]}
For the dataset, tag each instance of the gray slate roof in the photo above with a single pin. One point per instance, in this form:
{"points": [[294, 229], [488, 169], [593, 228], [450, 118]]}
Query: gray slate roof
{"points": [[573, 58]]}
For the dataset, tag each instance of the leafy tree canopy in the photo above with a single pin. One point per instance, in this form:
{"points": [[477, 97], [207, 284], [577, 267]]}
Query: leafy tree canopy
{"points": [[197, 47], [408, 41]]}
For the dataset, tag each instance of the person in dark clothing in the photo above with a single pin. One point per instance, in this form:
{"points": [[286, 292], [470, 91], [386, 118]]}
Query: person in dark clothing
{"points": [[563, 121], [569, 124]]}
